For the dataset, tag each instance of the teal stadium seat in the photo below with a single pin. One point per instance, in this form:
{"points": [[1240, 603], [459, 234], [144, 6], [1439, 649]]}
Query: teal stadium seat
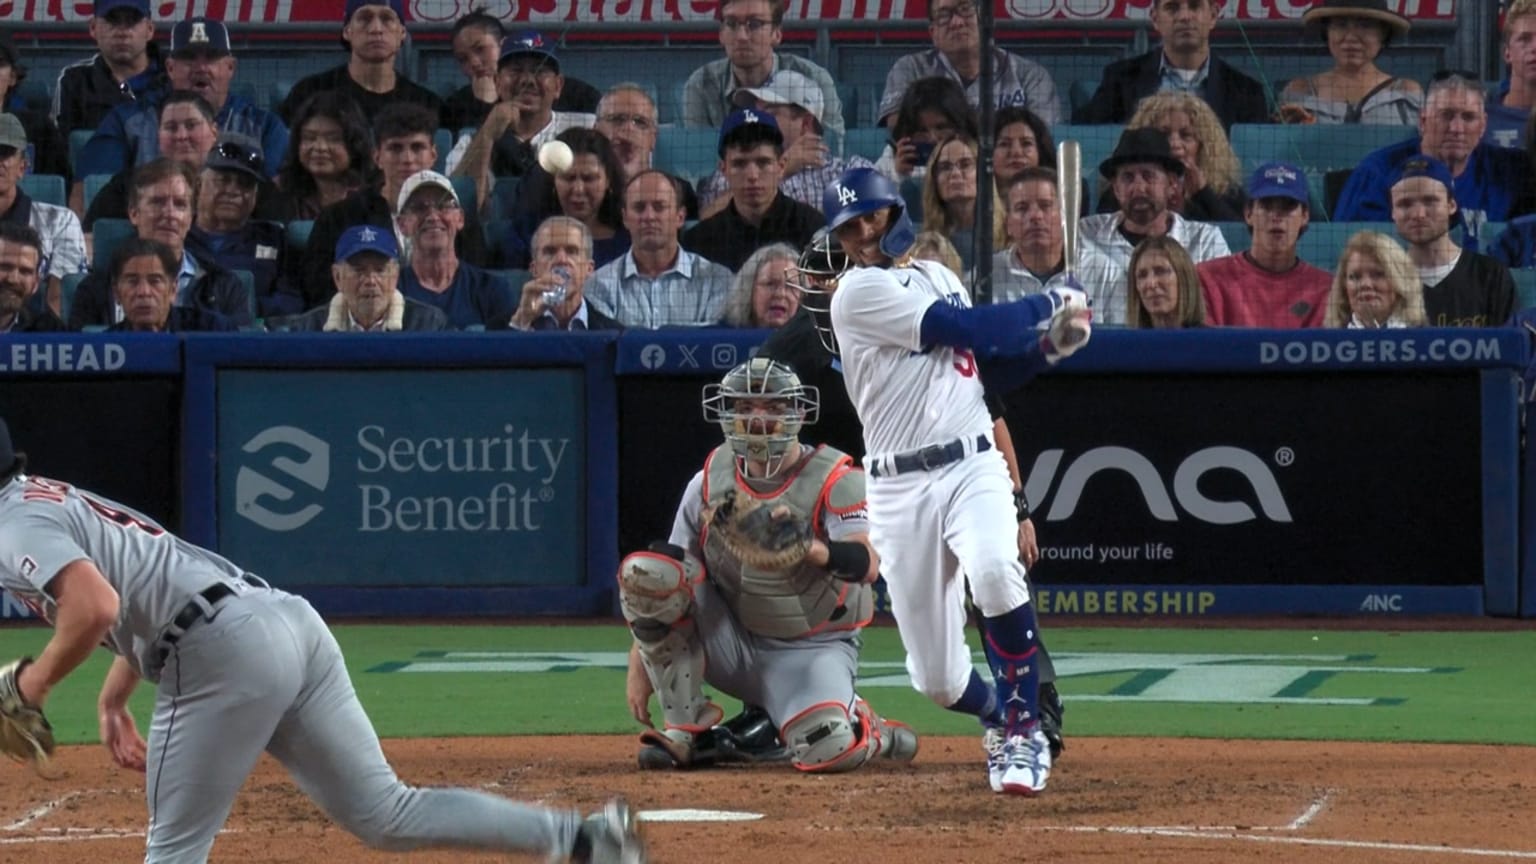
{"points": [[1236, 235], [444, 141], [1318, 147], [1323, 241], [47, 188], [67, 288], [516, 278], [1080, 94], [687, 152], [868, 142], [298, 236], [94, 183], [106, 235], [77, 142], [464, 187], [504, 197], [277, 91], [248, 279], [1525, 287], [497, 231], [1096, 141], [849, 94]]}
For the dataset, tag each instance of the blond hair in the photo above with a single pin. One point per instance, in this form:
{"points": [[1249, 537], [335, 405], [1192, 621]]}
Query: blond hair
{"points": [[936, 216], [933, 246], [1191, 307], [1517, 9], [1400, 272], [1216, 160]]}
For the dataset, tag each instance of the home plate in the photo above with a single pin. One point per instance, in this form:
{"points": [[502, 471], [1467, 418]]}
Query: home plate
{"points": [[687, 815]]}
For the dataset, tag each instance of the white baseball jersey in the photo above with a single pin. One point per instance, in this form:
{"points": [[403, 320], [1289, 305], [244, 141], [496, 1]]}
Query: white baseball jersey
{"points": [[908, 395], [45, 525]]}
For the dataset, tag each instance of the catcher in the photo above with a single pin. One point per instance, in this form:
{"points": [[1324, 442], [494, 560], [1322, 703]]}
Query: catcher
{"points": [[767, 575]]}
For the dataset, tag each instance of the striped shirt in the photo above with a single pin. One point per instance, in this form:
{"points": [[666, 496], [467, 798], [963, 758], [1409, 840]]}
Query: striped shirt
{"points": [[690, 293]]}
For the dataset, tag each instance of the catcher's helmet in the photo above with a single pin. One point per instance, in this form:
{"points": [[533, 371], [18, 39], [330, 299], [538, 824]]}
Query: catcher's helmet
{"points": [[754, 431], [816, 275], [865, 190]]}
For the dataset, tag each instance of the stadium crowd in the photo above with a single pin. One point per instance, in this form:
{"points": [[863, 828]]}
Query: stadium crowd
{"points": [[365, 201]]}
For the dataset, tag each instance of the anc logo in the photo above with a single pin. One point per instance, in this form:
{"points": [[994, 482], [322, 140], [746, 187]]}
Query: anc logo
{"points": [[267, 501]]}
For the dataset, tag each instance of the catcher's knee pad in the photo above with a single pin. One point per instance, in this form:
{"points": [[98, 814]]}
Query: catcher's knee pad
{"points": [[997, 585], [655, 589], [657, 596], [826, 738]]}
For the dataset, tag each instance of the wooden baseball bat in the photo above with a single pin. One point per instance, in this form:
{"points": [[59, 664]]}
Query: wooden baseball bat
{"points": [[1069, 188]]}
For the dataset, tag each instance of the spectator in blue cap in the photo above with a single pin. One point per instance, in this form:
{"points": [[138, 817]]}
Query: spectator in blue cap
{"points": [[1268, 285], [373, 32], [368, 299], [1461, 287], [528, 82], [126, 66], [201, 61], [477, 39], [751, 153]]}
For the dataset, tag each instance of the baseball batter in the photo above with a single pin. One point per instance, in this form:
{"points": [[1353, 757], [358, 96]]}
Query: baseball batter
{"points": [[939, 494], [241, 667], [767, 577]]}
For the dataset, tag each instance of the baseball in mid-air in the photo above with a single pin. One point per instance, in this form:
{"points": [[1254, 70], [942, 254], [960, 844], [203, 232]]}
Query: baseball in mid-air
{"points": [[556, 157]]}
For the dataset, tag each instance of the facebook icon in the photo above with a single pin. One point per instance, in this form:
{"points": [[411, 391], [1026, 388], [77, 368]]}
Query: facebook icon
{"points": [[653, 356]]}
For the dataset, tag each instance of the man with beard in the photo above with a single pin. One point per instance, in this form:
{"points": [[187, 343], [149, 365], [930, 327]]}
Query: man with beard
{"points": [[367, 297], [1461, 288], [1142, 170], [127, 65], [160, 208], [1488, 180], [373, 32], [1268, 285], [143, 277], [20, 251], [201, 61], [63, 243]]}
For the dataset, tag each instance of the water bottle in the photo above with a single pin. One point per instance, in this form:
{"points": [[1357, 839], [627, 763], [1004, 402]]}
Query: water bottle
{"points": [[553, 297]]}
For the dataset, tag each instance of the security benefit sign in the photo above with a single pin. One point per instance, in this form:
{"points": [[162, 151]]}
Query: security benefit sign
{"points": [[404, 478], [1324, 479]]}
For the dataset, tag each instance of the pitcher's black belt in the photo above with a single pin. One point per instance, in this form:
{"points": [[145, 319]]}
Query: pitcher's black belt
{"points": [[928, 458], [193, 611]]}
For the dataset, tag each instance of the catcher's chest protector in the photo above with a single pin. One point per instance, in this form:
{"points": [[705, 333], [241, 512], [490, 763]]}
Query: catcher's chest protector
{"points": [[796, 602]]}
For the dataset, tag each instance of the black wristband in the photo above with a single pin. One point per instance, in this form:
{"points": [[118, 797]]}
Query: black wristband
{"points": [[1021, 506], [848, 561]]}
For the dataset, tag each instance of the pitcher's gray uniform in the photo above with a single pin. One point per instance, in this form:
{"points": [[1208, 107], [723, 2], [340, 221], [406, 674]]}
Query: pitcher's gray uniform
{"points": [[241, 668]]}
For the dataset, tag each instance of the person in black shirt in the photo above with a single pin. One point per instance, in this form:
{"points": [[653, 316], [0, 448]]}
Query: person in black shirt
{"points": [[373, 31], [477, 41], [752, 159], [126, 66], [48, 151]]}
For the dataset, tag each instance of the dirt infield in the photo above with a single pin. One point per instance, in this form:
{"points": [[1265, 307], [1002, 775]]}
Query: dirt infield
{"points": [[1144, 800]]}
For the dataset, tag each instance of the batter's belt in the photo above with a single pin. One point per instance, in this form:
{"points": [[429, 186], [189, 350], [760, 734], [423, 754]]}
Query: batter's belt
{"points": [[928, 458]]}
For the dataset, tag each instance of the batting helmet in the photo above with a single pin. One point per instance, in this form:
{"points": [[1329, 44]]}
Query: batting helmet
{"points": [[816, 275], [865, 190], [760, 406]]}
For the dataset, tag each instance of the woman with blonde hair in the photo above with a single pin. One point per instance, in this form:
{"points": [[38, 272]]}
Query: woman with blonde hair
{"points": [[1164, 290], [933, 246], [1212, 190], [1376, 285], [763, 294], [949, 197]]}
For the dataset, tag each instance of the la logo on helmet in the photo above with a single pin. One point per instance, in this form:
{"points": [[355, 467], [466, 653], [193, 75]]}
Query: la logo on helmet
{"points": [[846, 196]]}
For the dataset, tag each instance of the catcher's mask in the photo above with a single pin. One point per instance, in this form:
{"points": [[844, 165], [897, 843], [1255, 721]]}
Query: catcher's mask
{"points": [[815, 275], [760, 406]]}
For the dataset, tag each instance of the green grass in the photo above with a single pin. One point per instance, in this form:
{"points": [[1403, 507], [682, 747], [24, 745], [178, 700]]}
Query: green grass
{"points": [[1479, 690]]}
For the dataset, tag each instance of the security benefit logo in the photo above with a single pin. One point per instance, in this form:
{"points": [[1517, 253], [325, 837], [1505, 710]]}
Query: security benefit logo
{"points": [[280, 488], [400, 481]]}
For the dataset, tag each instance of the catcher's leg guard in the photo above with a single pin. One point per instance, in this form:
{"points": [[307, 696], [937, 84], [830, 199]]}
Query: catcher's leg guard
{"points": [[656, 595], [825, 738]]}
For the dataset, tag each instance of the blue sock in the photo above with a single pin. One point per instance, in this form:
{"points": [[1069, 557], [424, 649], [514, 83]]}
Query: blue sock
{"points": [[979, 700], [1011, 640]]}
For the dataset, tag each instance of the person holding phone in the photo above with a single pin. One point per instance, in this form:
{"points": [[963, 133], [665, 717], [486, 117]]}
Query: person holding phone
{"points": [[932, 110]]}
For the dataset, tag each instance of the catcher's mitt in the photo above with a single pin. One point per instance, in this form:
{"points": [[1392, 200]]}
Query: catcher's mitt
{"points": [[25, 734], [760, 536]]}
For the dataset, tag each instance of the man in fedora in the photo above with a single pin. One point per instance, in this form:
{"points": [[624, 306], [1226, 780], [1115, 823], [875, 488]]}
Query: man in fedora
{"points": [[1183, 62], [1142, 171], [1508, 111]]}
